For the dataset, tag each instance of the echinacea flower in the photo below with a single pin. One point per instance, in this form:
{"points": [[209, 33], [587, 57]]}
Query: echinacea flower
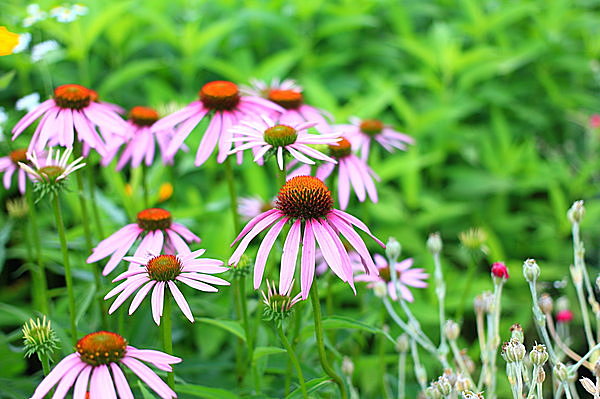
{"points": [[10, 164], [50, 174], [223, 101], [361, 133], [306, 202], [139, 146], [162, 271], [288, 94], [161, 235], [97, 368], [8, 41], [407, 276], [250, 207], [264, 135], [73, 110], [352, 172]]}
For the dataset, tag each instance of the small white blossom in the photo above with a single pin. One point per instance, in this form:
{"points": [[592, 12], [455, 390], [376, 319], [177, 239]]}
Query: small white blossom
{"points": [[41, 50], [3, 119], [34, 14], [65, 14], [24, 40], [79, 9], [28, 103]]}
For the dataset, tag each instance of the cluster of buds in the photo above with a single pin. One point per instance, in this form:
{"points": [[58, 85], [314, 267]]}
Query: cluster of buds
{"points": [[513, 351], [472, 395], [448, 385]]}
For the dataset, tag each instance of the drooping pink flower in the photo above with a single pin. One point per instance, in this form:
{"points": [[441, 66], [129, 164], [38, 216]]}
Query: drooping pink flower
{"points": [[500, 270], [564, 316], [306, 202], [10, 164], [157, 272], [97, 368], [407, 276], [139, 144], [362, 132], [288, 94], [223, 98], [263, 135], [73, 114], [160, 235]]}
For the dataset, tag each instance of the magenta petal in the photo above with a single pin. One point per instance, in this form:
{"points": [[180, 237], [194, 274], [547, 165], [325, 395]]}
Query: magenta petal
{"points": [[209, 140], [253, 223], [181, 302], [264, 249], [32, 116], [260, 226], [355, 177], [183, 132], [356, 222], [329, 250], [307, 268], [149, 377], [121, 382], [81, 386], [354, 240], [288, 259]]}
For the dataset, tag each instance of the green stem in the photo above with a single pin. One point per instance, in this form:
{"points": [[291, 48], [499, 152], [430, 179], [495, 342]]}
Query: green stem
{"points": [[45, 363], [232, 195], [168, 337], [316, 306], [294, 360], [401, 375], [66, 263], [95, 210], [145, 185], [39, 274]]}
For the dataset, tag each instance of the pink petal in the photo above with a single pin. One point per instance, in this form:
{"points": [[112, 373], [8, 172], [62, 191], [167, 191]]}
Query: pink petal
{"points": [[307, 260], [260, 226], [183, 132], [140, 295], [198, 285], [209, 140], [184, 232], [181, 302], [328, 249], [67, 381], [158, 301], [288, 259], [81, 386], [121, 382], [254, 221], [56, 374], [149, 377], [264, 249]]}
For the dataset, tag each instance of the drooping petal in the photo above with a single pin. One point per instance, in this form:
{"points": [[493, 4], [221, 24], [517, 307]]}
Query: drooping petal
{"points": [[140, 295], [158, 301], [121, 382], [289, 256], [264, 249], [307, 271], [55, 375], [181, 302], [149, 377]]}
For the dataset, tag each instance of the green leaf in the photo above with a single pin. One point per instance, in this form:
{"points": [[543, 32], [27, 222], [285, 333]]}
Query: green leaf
{"points": [[205, 392], [131, 72], [261, 351], [232, 326], [311, 386], [145, 393], [6, 78], [85, 301], [4, 236], [339, 322]]}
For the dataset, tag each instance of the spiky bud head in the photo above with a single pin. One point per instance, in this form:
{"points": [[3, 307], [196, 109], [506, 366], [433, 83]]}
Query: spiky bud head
{"points": [[39, 338]]}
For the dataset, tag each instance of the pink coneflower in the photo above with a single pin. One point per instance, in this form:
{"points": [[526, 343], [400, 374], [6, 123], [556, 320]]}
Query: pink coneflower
{"points": [[406, 277], [96, 369], [264, 135], [352, 172], [288, 94], [73, 110], [361, 132], [140, 139], [160, 235], [53, 170], [162, 271], [223, 98], [10, 164], [306, 202], [250, 207]]}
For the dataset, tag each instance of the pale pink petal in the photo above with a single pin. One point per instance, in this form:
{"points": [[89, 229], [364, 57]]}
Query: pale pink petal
{"points": [[32, 116], [184, 232], [158, 301], [81, 386], [356, 222], [140, 295], [152, 356], [121, 382], [184, 131], [178, 242], [196, 284], [149, 377], [134, 285], [329, 250], [209, 140], [117, 256], [181, 302], [264, 249], [254, 221], [288, 258], [67, 381], [260, 226], [56, 374], [354, 239], [307, 260]]}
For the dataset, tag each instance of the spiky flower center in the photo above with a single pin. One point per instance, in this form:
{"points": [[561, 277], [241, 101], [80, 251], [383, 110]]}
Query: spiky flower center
{"points": [[288, 99], [220, 95], [73, 96], [143, 116], [19, 155], [372, 127], [102, 347], [154, 219], [164, 268], [341, 149], [304, 197], [280, 135], [51, 172], [386, 274]]}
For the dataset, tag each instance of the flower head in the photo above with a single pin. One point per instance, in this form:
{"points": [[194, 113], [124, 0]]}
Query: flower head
{"points": [[306, 203], [160, 235], [157, 272], [278, 304], [34, 15], [406, 276], [265, 137], [222, 100], [97, 368], [362, 132], [500, 270], [28, 103], [8, 41], [43, 49], [74, 113], [50, 174], [564, 316], [65, 14], [39, 338]]}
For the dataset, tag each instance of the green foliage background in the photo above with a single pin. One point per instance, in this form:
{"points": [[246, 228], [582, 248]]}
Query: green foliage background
{"points": [[497, 94]]}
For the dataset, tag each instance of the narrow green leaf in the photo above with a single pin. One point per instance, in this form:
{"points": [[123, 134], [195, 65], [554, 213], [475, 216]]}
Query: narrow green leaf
{"points": [[311, 386], [266, 351], [145, 393], [339, 322], [85, 301], [205, 392], [4, 236], [228, 325], [6, 78]]}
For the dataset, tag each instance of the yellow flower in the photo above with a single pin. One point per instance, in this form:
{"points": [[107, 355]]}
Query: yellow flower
{"points": [[8, 41], [165, 192]]}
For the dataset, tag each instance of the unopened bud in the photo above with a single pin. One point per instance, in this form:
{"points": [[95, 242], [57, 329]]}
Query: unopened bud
{"points": [[538, 355], [479, 304], [564, 316], [393, 250], [434, 243], [513, 351], [576, 212], [347, 366], [17, 208], [531, 270], [443, 386], [499, 270], [516, 332], [541, 376], [380, 289], [546, 303], [39, 338], [452, 330], [561, 372], [431, 392], [462, 383], [402, 343], [243, 267], [589, 386]]}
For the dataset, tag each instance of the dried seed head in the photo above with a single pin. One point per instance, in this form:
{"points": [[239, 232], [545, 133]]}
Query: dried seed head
{"points": [[516, 332], [546, 303], [538, 355]]}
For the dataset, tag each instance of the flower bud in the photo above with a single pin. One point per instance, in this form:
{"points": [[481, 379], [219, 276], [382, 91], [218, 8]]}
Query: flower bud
{"points": [[443, 386], [541, 376], [576, 212], [39, 338], [380, 289], [462, 383], [564, 316], [479, 304], [474, 239], [531, 270], [471, 395], [452, 330], [546, 303], [561, 372], [513, 351], [431, 392], [434, 243], [500, 271], [516, 332], [393, 250], [538, 355], [243, 268], [17, 208], [347, 366], [402, 344], [589, 386]]}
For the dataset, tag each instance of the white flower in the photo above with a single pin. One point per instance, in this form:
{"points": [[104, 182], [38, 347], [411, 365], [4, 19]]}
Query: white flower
{"points": [[79, 9], [24, 40], [41, 50], [28, 103], [34, 14], [3, 119], [63, 14]]}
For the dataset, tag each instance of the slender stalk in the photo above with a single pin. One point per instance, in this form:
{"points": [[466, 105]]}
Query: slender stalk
{"points": [[39, 274], [66, 263], [401, 375], [281, 174], [420, 371], [540, 323], [45, 363], [316, 306], [95, 210], [459, 360], [232, 195], [145, 185], [167, 336], [294, 360], [440, 291]]}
